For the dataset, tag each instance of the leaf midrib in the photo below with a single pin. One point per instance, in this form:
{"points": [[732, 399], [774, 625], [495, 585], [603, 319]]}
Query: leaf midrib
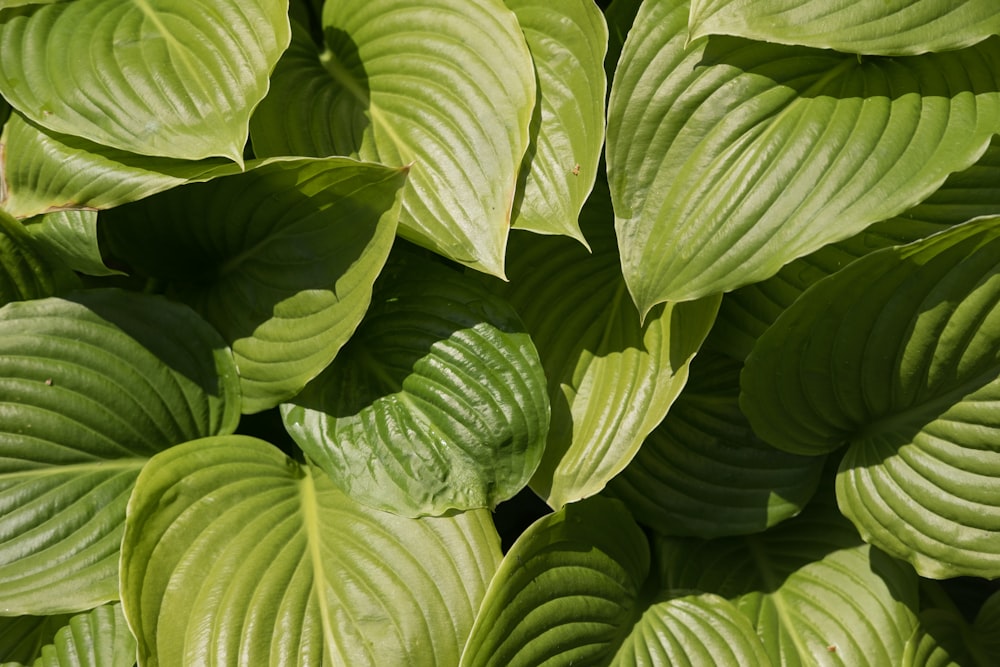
{"points": [[772, 582], [309, 505]]}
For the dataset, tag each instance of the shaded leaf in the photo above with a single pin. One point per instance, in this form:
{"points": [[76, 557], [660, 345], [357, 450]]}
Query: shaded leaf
{"points": [[90, 386], [897, 357], [702, 471], [98, 638], [181, 85], [235, 553], [72, 237], [444, 85], [889, 27], [281, 260], [596, 353], [729, 158], [22, 637], [25, 272]]}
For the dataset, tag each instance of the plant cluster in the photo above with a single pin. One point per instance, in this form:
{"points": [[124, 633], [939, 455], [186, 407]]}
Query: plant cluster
{"points": [[298, 299]]}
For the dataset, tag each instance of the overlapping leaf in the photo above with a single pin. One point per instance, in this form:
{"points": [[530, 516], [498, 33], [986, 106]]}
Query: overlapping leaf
{"points": [[596, 353], [729, 158], [233, 553], [437, 403], [446, 85], [888, 27], [71, 236], [90, 386], [568, 42], [946, 639], [44, 171], [748, 311], [21, 637], [169, 78], [813, 591], [897, 356], [575, 588], [98, 638], [280, 259], [703, 472], [25, 272]]}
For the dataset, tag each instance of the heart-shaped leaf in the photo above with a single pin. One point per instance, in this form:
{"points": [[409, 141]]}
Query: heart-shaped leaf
{"points": [[91, 385], [98, 638], [888, 27], [815, 594], [459, 115], [568, 42], [182, 85], [898, 355], [234, 553], [575, 588], [597, 353], [280, 259], [703, 472], [729, 158], [25, 272], [437, 403], [748, 311], [45, 172]]}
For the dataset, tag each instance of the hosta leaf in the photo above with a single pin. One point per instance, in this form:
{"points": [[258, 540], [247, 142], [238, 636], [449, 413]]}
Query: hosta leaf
{"points": [[437, 403], [568, 42], [729, 158], [703, 472], [946, 639], [44, 172], [280, 259], [72, 237], [91, 385], [596, 353], [182, 84], [748, 311], [815, 594], [897, 356], [234, 553], [446, 85], [26, 273], [98, 638], [890, 27], [574, 588], [22, 637]]}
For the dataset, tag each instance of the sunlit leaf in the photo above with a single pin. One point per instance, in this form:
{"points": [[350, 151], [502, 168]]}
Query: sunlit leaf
{"points": [[234, 553], [98, 638], [71, 236]]}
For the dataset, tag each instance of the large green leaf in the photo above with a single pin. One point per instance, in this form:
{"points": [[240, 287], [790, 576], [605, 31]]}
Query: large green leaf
{"points": [[889, 27], [234, 553], [729, 158], [44, 171], [575, 589], [703, 472], [815, 594], [280, 259], [158, 77], [568, 42], [437, 403], [98, 638], [596, 353], [445, 85], [91, 385], [898, 356], [25, 272], [748, 311]]}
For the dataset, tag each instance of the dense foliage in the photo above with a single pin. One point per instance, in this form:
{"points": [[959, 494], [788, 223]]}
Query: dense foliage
{"points": [[299, 302]]}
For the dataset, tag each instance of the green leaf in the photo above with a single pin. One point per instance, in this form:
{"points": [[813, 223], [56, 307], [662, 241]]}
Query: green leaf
{"points": [[72, 237], [45, 172], [575, 588], [280, 259], [814, 593], [235, 553], [22, 637], [445, 85], [702, 471], [596, 353], [437, 403], [98, 638], [944, 638], [748, 311], [182, 84], [729, 158], [568, 42], [897, 356], [91, 385], [25, 272], [888, 27]]}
